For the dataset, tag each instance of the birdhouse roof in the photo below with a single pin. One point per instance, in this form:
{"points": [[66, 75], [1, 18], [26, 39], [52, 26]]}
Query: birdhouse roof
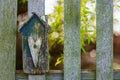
{"points": [[27, 28]]}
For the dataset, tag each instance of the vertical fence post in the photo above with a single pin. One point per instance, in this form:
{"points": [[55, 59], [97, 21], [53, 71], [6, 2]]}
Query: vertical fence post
{"points": [[38, 7], [8, 10], [104, 68], [72, 40]]}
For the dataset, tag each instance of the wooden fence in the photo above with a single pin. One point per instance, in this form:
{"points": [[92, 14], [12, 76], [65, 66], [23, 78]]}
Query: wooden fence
{"points": [[72, 71]]}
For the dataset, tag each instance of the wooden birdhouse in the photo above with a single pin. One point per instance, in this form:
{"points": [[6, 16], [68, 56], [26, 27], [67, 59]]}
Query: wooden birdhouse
{"points": [[35, 45]]}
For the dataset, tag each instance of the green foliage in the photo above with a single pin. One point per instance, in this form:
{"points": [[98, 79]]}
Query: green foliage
{"points": [[60, 60], [88, 28], [57, 36], [22, 1], [56, 22]]}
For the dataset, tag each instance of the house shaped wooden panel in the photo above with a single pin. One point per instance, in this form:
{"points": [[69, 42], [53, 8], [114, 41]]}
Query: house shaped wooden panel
{"points": [[35, 45]]}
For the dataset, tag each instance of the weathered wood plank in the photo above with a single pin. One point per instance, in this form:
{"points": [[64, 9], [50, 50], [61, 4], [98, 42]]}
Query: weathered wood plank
{"points": [[8, 10], [36, 6], [72, 40], [21, 77], [104, 66], [58, 75], [36, 77], [35, 52], [35, 39]]}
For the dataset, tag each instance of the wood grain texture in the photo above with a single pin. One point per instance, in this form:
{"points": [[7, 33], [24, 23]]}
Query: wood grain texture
{"points": [[35, 57], [36, 77], [72, 40], [35, 47], [54, 75], [104, 64], [8, 10], [36, 6]]}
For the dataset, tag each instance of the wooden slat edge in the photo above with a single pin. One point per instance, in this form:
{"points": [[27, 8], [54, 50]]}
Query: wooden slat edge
{"points": [[58, 74]]}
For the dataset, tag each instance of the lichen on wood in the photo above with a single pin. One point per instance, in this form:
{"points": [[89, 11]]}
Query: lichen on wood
{"points": [[104, 66], [8, 15], [72, 40]]}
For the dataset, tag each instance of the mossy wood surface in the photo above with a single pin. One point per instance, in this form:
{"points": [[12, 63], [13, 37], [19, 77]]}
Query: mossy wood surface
{"points": [[104, 65], [8, 15], [72, 40]]}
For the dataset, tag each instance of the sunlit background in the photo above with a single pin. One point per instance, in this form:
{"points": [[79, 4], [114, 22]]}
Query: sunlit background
{"points": [[49, 6]]}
